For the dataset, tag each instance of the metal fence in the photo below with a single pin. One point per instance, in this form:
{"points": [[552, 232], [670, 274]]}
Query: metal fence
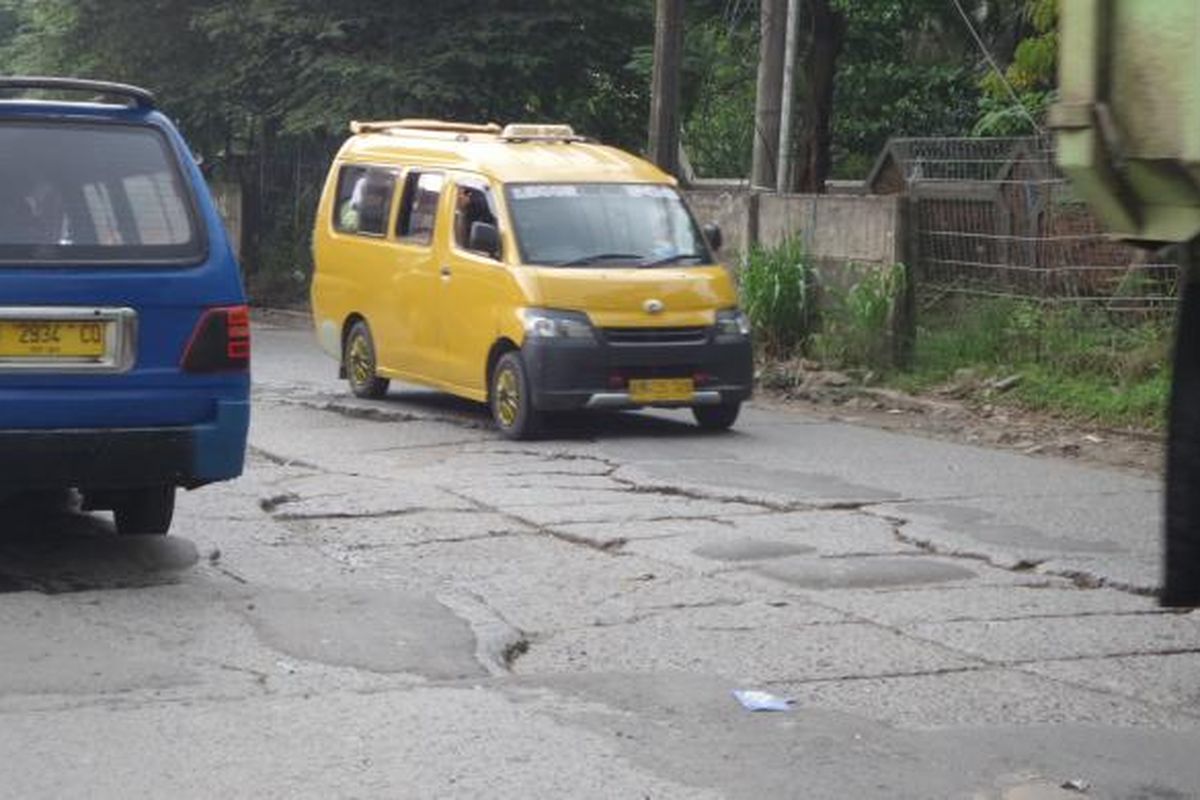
{"points": [[995, 218], [268, 204]]}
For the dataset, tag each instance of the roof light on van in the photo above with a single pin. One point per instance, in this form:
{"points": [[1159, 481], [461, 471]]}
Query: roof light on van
{"points": [[435, 125], [524, 132]]}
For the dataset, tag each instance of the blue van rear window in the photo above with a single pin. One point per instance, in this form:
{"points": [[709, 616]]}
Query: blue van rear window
{"points": [[79, 193]]}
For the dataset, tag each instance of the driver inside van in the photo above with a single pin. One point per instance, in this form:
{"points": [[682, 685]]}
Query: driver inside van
{"points": [[470, 206], [32, 214]]}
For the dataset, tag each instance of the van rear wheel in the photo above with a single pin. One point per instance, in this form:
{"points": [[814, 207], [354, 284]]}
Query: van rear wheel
{"points": [[359, 359], [511, 398], [716, 418], [144, 511]]}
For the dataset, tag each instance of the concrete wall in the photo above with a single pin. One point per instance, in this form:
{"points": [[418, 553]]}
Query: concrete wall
{"points": [[847, 236], [729, 208], [836, 229], [227, 195]]}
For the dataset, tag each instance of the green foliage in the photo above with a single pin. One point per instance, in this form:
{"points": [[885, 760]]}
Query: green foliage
{"points": [[777, 293], [1091, 397], [718, 131], [1031, 76], [878, 100], [1073, 361], [856, 325], [231, 68], [257, 84], [906, 70]]}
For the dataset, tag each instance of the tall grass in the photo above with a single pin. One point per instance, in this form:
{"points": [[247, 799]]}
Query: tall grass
{"points": [[856, 327], [1081, 362], [777, 288], [1074, 361]]}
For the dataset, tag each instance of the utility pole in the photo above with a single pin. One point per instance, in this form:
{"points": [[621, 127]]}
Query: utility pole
{"points": [[772, 30], [664, 87], [783, 180]]}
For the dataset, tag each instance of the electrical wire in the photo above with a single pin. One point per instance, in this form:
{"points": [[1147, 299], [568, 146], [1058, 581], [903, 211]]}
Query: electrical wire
{"points": [[996, 67]]}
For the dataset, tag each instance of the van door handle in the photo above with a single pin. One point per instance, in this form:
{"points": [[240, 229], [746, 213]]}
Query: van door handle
{"points": [[445, 271]]}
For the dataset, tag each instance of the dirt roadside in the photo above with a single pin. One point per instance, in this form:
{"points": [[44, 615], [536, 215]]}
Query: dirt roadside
{"points": [[993, 425]]}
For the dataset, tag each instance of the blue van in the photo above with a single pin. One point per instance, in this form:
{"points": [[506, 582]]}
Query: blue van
{"points": [[124, 330]]}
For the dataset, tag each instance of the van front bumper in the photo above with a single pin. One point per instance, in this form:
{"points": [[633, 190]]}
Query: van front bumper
{"points": [[568, 374], [126, 458]]}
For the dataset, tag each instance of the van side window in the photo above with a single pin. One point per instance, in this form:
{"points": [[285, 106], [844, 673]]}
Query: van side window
{"points": [[472, 203], [364, 200], [418, 209]]}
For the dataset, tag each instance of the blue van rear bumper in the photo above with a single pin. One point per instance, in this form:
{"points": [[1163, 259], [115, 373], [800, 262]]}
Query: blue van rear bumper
{"points": [[124, 458]]}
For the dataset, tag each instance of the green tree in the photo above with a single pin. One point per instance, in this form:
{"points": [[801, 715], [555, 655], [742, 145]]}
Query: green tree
{"points": [[225, 67], [1016, 103], [720, 64], [262, 86], [908, 69]]}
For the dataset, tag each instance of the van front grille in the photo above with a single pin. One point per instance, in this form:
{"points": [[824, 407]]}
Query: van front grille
{"points": [[645, 336]]}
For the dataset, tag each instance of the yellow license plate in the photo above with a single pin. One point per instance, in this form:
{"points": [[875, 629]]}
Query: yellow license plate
{"points": [[661, 390], [52, 339]]}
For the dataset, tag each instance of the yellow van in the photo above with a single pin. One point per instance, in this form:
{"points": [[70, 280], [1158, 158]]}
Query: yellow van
{"points": [[524, 267]]}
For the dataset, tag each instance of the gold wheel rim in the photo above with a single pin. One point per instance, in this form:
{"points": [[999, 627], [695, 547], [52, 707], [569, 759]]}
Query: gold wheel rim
{"points": [[361, 369], [508, 397]]}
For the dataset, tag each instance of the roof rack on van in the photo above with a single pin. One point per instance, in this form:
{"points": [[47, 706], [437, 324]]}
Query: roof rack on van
{"points": [[132, 95], [422, 125], [537, 132]]}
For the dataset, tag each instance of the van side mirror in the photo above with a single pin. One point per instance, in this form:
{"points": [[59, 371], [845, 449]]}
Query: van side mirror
{"points": [[484, 238], [712, 232]]}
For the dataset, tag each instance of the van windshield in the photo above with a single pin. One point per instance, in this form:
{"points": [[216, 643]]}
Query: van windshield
{"points": [[604, 224], [100, 193]]}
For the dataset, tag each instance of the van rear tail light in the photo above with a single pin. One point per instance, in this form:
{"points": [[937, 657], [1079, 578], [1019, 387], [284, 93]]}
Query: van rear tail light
{"points": [[220, 341]]}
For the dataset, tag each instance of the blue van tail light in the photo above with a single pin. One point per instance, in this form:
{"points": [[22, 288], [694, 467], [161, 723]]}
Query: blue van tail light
{"points": [[220, 342]]}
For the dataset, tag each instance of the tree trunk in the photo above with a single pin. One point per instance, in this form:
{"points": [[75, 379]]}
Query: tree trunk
{"points": [[772, 32], [664, 102], [828, 34]]}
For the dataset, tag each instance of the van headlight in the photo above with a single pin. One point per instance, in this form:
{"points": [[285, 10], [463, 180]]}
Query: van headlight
{"points": [[732, 322], [546, 323]]}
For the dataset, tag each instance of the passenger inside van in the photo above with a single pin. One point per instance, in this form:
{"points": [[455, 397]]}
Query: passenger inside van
{"points": [[50, 223], [348, 217], [16, 217], [373, 214]]}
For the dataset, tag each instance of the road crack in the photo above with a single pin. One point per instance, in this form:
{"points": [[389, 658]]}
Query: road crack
{"points": [[342, 515], [1079, 578]]}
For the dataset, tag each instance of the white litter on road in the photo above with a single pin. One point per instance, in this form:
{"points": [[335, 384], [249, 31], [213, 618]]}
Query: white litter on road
{"points": [[753, 700]]}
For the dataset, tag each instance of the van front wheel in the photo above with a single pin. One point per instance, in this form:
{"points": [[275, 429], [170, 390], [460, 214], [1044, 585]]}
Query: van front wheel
{"points": [[359, 359], [512, 400]]}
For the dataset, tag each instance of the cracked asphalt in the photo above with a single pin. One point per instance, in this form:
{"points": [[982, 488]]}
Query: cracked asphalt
{"points": [[396, 602]]}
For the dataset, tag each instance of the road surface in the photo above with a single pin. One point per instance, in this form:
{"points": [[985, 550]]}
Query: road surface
{"points": [[395, 602]]}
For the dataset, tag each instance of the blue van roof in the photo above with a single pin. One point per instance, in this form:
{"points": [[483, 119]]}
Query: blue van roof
{"points": [[134, 95], [25, 107]]}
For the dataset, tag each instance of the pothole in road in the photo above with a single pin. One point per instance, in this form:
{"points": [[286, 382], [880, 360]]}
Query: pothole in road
{"points": [[752, 550], [867, 573], [384, 632]]}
